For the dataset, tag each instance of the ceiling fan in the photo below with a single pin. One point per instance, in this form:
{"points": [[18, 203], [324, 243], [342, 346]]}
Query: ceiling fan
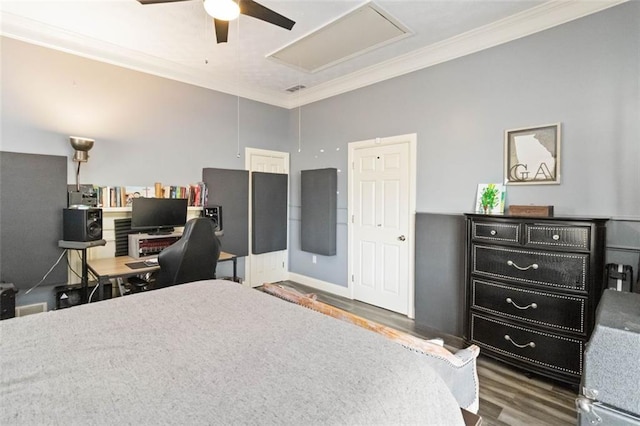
{"points": [[224, 11]]}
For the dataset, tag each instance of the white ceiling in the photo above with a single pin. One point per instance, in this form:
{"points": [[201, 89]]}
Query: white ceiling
{"points": [[177, 41]]}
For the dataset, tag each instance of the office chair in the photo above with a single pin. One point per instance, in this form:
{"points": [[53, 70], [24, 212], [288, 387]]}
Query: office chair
{"points": [[193, 257]]}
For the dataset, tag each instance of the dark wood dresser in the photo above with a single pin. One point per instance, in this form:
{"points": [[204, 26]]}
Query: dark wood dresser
{"points": [[532, 287]]}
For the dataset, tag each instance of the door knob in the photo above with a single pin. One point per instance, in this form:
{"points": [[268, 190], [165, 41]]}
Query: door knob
{"points": [[401, 238]]}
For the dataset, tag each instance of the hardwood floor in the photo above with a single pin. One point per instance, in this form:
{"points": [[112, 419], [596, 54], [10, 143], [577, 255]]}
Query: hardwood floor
{"points": [[507, 395]]}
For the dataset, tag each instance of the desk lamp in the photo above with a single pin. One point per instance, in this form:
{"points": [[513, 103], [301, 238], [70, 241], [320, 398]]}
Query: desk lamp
{"points": [[82, 147]]}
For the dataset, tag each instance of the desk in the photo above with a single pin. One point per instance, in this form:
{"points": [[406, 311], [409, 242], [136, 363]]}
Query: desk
{"points": [[115, 267]]}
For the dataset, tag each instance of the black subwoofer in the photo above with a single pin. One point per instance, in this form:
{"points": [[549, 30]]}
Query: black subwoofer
{"points": [[82, 225]]}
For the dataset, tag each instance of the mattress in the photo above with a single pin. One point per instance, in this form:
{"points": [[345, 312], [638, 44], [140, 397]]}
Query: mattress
{"points": [[612, 366], [210, 352]]}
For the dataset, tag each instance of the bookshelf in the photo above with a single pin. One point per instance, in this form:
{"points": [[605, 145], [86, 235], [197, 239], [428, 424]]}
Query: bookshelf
{"points": [[115, 197], [115, 210]]}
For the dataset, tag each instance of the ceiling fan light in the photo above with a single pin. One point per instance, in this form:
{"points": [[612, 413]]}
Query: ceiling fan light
{"points": [[225, 10]]}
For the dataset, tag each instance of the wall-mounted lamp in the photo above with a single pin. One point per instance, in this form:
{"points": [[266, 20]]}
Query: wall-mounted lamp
{"points": [[82, 147]]}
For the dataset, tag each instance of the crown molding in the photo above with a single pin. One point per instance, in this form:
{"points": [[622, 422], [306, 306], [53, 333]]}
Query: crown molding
{"points": [[536, 19]]}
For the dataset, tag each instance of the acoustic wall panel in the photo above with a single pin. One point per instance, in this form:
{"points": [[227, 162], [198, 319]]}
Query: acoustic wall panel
{"points": [[440, 261], [319, 211], [269, 212], [230, 189], [33, 194]]}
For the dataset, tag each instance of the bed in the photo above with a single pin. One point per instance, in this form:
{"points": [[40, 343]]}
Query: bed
{"points": [[210, 352]]}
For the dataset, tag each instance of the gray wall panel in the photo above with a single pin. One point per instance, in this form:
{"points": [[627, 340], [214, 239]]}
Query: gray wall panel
{"points": [[230, 189], [318, 215], [33, 192], [440, 257], [269, 195]]}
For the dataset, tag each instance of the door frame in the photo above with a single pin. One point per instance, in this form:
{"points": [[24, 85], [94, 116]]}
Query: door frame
{"points": [[412, 140], [248, 152]]}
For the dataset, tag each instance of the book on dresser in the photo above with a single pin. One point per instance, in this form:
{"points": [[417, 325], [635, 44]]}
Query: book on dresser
{"points": [[532, 288]]}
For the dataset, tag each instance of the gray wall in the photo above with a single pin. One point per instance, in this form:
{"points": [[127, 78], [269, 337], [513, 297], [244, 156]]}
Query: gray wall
{"points": [[583, 74], [147, 128]]}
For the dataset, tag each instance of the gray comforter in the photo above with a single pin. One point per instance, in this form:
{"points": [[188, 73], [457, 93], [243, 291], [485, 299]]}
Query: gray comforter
{"points": [[211, 352]]}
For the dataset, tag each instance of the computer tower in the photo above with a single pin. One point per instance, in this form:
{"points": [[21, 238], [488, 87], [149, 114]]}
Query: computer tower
{"points": [[82, 224]]}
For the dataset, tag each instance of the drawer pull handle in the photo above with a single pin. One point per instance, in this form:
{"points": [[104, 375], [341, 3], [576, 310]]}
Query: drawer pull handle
{"points": [[512, 263], [493, 232], [556, 237], [530, 344], [532, 306]]}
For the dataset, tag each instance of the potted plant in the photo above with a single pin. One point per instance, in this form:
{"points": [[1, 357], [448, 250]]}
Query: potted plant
{"points": [[490, 197]]}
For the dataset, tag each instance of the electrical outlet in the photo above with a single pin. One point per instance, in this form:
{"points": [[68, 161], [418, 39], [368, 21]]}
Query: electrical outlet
{"points": [[314, 259]]}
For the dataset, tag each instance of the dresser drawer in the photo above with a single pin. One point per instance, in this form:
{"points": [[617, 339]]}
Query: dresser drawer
{"points": [[558, 236], [497, 232], [546, 350], [536, 307], [554, 269]]}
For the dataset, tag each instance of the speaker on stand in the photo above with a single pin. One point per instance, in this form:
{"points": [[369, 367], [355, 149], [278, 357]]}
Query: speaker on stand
{"points": [[82, 229], [215, 214], [83, 224]]}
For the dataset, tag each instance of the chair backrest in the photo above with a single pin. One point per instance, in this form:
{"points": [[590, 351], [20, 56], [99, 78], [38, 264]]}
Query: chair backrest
{"points": [[193, 257]]}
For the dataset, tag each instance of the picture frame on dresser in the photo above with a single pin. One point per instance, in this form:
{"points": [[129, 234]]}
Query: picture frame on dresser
{"points": [[532, 155], [532, 288]]}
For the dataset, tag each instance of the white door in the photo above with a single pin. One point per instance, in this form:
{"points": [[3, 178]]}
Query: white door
{"points": [[381, 228], [273, 266]]}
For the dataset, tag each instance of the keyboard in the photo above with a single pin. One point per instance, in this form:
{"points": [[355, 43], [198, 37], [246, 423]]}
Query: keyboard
{"points": [[143, 263]]}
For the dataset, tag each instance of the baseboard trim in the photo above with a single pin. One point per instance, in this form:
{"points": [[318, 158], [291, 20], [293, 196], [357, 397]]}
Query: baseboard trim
{"points": [[36, 308], [338, 290]]}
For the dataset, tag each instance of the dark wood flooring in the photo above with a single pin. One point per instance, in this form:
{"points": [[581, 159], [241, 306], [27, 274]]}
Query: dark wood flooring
{"points": [[507, 395]]}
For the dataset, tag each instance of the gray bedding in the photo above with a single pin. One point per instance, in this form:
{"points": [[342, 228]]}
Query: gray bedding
{"points": [[211, 352]]}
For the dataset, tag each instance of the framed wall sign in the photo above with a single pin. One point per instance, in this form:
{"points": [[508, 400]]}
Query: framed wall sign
{"points": [[532, 155]]}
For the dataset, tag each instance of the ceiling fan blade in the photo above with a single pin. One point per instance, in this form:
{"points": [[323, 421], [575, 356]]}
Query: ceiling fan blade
{"points": [[158, 1], [258, 11], [222, 30]]}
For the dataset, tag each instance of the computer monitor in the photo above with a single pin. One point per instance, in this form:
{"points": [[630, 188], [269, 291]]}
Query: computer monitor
{"points": [[158, 215]]}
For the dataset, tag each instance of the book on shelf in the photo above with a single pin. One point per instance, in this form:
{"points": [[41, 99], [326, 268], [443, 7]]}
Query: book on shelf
{"points": [[122, 196]]}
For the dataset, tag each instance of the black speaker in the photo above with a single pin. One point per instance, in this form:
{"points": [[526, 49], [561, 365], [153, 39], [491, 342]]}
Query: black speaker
{"points": [[82, 225], [214, 213]]}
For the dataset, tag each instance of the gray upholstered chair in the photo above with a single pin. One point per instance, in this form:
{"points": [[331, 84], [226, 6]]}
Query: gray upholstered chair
{"points": [[194, 257]]}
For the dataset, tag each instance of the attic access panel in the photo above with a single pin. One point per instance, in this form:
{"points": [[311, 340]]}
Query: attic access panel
{"points": [[359, 31]]}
